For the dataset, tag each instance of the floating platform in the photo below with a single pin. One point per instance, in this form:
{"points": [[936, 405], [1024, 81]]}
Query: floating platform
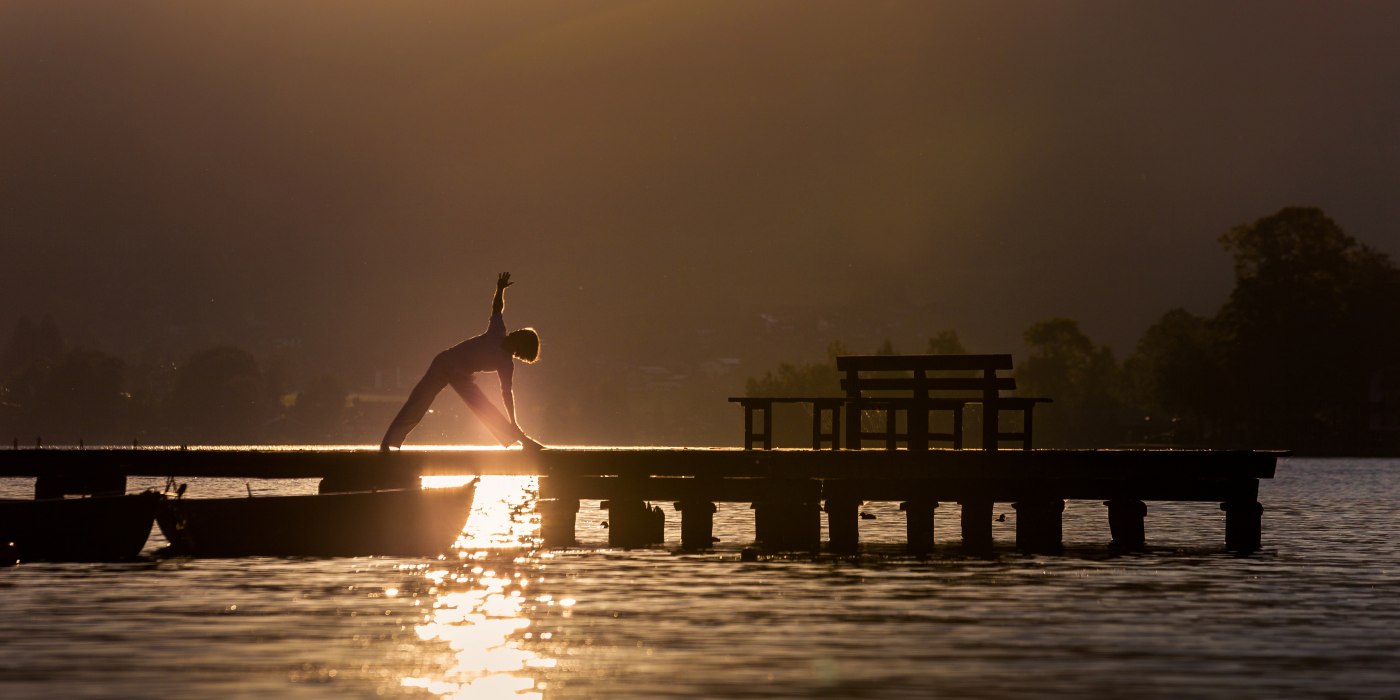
{"points": [[789, 489]]}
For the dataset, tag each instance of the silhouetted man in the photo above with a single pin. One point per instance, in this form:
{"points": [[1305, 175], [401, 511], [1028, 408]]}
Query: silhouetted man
{"points": [[492, 351]]}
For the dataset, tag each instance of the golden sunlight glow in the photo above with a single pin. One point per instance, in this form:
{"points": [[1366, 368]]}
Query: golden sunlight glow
{"points": [[503, 514], [475, 607]]}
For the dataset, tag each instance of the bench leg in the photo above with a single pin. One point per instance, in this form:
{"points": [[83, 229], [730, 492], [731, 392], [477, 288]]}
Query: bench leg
{"points": [[834, 437], [916, 425], [765, 435], [820, 436], [853, 427]]}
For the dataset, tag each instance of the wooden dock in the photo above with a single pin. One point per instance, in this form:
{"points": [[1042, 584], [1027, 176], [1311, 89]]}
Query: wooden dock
{"points": [[789, 489]]}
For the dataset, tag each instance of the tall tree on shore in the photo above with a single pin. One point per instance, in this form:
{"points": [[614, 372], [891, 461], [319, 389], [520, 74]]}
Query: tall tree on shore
{"points": [[220, 397], [945, 342], [1177, 378], [1062, 363], [1308, 325], [319, 409]]}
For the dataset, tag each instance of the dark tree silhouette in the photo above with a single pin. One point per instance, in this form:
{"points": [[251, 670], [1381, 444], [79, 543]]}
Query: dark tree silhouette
{"points": [[220, 397], [1177, 379], [1064, 364], [1307, 327], [84, 397], [945, 343], [792, 425], [319, 409], [30, 343]]}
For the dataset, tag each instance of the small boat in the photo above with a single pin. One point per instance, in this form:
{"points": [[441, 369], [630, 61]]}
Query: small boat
{"points": [[96, 528], [390, 522]]}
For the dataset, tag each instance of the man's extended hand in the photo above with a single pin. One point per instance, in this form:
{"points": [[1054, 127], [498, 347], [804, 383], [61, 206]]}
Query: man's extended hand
{"points": [[503, 281]]}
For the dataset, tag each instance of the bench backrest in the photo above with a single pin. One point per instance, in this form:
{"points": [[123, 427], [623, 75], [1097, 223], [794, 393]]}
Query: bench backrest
{"points": [[919, 375]]}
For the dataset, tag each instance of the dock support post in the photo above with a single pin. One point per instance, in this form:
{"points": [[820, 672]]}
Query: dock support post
{"points": [[788, 526], [1125, 524], [918, 524], [976, 525], [557, 518], [1040, 525], [1244, 525], [843, 524], [633, 523], [697, 524], [558, 509], [788, 516]]}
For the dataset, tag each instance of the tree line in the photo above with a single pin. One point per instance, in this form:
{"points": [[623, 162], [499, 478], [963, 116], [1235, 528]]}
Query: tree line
{"points": [[1304, 354], [51, 393]]}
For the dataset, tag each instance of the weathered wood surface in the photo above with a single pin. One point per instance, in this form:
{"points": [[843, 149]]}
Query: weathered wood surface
{"points": [[786, 487], [868, 474]]}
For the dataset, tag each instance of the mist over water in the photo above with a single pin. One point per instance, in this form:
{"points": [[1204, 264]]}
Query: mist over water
{"points": [[1313, 615]]}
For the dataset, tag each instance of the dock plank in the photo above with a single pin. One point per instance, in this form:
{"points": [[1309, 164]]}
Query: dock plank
{"points": [[1003, 474]]}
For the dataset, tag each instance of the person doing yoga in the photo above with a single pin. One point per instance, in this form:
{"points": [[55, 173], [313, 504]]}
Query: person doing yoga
{"points": [[492, 351]]}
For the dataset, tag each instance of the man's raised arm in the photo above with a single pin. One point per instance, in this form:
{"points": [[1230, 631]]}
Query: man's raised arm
{"points": [[498, 305]]}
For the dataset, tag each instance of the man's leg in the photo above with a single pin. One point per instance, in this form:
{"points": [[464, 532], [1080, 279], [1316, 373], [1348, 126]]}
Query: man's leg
{"points": [[419, 400], [485, 411]]}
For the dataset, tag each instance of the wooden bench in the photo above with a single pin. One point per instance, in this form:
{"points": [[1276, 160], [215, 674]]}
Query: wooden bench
{"points": [[917, 385], [763, 406]]}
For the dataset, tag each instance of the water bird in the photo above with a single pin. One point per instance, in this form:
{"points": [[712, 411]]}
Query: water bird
{"points": [[1001, 518], [867, 516]]}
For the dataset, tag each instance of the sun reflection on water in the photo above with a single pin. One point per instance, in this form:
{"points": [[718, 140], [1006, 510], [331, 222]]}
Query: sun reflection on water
{"points": [[475, 604]]}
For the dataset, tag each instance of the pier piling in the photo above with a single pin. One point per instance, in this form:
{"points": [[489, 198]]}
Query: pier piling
{"points": [[1040, 525], [697, 524], [1126, 524], [634, 523], [843, 524], [918, 524], [558, 517], [1244, 521], [787, 515], [977, 525], [789, 489]]}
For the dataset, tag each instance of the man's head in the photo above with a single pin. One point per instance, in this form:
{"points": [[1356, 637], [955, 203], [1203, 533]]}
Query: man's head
{"points": [[524, 344]]}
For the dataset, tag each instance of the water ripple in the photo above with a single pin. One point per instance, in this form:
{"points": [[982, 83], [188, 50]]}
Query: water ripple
{"points": [[1314, 615]]}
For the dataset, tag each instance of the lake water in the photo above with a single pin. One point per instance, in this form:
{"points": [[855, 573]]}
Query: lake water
{"points": [[1316, 614]]}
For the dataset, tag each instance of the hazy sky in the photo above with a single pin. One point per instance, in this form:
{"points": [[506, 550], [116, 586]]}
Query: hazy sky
{"points": [[353, 174]]}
